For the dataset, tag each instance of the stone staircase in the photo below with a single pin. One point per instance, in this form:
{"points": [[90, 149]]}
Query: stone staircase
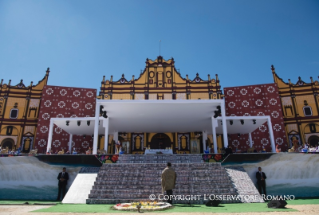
{"points": [[141, 177]]}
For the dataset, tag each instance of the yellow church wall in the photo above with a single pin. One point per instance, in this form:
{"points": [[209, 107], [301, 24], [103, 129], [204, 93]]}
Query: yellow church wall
{"points": [[199, 96], [27, 98], [293, 96], [306, 127], [121, 96], [311, 102], [21, 103]]}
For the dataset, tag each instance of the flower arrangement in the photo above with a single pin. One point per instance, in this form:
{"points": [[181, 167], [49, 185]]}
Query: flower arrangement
{"points": [[107, 158], [213, 157], [145, 206]]}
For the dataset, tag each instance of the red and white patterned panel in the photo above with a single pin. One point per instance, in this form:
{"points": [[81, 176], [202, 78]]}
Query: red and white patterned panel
{"points": [[64, 102], [256, 100]]}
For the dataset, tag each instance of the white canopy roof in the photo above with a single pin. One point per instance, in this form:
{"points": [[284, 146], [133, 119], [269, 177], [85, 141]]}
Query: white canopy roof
{"points": [[159, 116]]}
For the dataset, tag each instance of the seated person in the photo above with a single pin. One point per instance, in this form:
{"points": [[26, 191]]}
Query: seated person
{"points": [[278, 149]]}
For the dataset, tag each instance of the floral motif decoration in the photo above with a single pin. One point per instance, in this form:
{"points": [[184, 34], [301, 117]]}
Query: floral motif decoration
{"points": [[61, 104], [49, 91], [89, 94], [277, 127], [88, 106], [262, 128], [47, 103], [231, 104], [243, 91], [85, 144], [275, 114], [230, 92], [245, 103], [235, 143], [42, 142], [264, 141], [56, 143], [259, 102], [45, 116], [75, 105], [271, 89], [44, 129], [279, 141], [257, 90], [63, 92], [58, 130], [76, 93]]}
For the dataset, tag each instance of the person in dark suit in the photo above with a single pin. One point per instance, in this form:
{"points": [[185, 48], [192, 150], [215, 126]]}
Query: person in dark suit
{"points": [[63, 178], [228, 151], [261, 181]]}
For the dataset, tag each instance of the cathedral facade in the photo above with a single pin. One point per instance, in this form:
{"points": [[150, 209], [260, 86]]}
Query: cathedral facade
{"points": [[25, 111]]}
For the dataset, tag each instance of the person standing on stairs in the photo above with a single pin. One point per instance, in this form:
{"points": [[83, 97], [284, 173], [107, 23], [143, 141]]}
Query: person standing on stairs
{"points": [[168, 181]]}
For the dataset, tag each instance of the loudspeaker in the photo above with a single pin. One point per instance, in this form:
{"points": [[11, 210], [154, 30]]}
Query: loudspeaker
{"points": [[213, 203], [277, 204]]}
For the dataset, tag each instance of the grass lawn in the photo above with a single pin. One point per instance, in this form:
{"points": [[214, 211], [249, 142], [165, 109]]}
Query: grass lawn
{"points": [[225, 208], [31, 202], [303, 202]]}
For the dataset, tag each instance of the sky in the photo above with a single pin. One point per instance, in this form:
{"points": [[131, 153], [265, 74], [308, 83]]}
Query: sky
{"points": [[83, 40]]}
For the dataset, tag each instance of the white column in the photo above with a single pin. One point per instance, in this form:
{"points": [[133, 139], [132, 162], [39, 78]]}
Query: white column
{"points": [[106, 133], [204, 138], [50, 135], [222, 105], [70, 143], [250, 140], [116, 136], [271, 133], [214, 125], [96, 127]]}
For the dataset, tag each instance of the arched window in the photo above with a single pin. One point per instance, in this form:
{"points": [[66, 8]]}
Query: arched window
{"points": [[307, 109], [14, 113]]}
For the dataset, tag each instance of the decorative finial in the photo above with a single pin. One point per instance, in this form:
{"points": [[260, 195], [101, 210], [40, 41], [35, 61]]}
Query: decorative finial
{"points": [[31, 83], [133, 77], [48, 70], [111, 78], [216, 77], [122, 75], [299, 78], [103, 78], [9, 82], [1, 81], [273, 68], [311, 79], [186, 77], [208, 77], [196, 74], [289, 81]]}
